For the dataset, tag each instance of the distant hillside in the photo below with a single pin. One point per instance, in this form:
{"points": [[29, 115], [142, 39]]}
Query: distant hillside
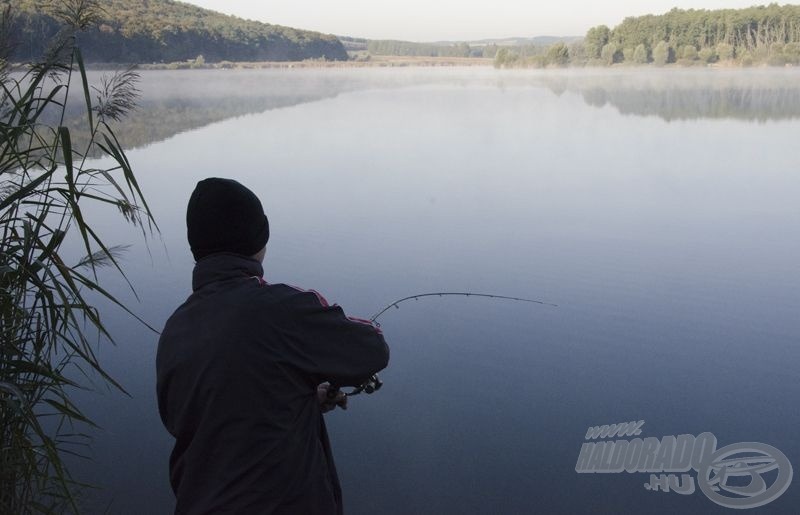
{"points": [[146, 31]]}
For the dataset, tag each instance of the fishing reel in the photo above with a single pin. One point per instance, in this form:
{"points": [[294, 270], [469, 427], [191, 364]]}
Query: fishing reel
{"points": [[371, 385]]}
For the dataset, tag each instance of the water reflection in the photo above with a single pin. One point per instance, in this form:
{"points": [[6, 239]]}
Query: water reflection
{"points": [[178, 101], [675, 272], [175, 102], [754, 95]]}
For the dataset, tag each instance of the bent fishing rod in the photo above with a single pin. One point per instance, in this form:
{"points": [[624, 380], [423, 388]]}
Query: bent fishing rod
{"points": [[373, 384]]}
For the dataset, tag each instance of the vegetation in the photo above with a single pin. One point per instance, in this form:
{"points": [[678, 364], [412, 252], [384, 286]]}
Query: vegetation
{"points": [[49, 328], [756, 35], [408, 48], [538, 56], [133, 31], [353, 44], [486, 48]]}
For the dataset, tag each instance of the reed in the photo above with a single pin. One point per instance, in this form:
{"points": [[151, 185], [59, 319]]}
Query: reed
{"points": [[49, 329]]}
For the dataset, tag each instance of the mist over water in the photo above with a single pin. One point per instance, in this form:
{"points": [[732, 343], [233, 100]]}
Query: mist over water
{"points": [[179, 101], [657, 209]]}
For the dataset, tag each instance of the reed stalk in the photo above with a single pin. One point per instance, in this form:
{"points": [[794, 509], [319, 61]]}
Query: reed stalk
{"points": [[49, 329]]}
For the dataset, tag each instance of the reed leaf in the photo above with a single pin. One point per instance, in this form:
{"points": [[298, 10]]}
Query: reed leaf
{"points": [[85, 86], [49, 330]]}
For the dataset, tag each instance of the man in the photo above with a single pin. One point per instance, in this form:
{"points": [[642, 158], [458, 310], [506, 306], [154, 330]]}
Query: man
{"points": [[242, 368]]}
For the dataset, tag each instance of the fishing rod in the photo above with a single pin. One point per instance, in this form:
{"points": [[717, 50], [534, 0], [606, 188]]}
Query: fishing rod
{"points": [[373, 384], [457, 294]]}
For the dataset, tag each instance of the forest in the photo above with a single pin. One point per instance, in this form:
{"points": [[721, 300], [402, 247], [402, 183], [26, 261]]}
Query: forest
{"points": [[147, 31], [739, 37], [166, 31]]}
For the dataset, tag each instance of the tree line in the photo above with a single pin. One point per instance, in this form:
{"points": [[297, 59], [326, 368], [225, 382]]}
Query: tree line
{"points": [[755, 35], [410, 48], [144, 31]]}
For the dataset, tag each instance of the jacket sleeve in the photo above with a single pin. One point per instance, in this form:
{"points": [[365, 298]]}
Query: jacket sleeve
{"points": [[331, 346]]}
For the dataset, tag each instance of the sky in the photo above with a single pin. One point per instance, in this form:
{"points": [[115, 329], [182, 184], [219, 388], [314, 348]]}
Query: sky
{"points": [[434, 20]]}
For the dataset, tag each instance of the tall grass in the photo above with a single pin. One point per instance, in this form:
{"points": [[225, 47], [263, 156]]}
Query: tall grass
{"points": [[49, 331]]}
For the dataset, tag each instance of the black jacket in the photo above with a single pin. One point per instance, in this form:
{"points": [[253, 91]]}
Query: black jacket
{"points": [[237, 371]]}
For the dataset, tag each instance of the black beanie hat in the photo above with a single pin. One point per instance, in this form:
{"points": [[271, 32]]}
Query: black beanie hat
{"points": [[224, 216]]}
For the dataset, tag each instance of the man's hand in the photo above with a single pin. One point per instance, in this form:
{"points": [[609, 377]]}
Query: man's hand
{"points": [[326, 404]]}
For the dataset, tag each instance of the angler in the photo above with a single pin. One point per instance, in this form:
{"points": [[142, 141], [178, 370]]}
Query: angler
{"points": [[243, 369]]}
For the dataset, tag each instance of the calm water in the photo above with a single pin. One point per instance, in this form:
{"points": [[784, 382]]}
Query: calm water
{"points": [[658, 210]]}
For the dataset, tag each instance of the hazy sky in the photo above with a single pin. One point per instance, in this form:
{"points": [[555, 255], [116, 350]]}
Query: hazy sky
{"points": [[430, 20]]}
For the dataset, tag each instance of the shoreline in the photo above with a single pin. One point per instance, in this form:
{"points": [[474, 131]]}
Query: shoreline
{"points": [[371, 62], [406, 62], [430, 62]]}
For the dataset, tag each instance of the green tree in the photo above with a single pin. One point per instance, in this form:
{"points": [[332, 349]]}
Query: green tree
{"points": [[640, 54], [512, 59], [610, 54], [558, 54], [724, 51], [577, 53], [776, 55], [501, 57], [535, 61], [627, 54], [707, 55], [792, 52], [596, 38], [661, 53], [760, 53], [689, 52]]}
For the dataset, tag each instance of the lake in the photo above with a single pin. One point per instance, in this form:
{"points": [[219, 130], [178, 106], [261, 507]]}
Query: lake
{"points": [[657, 208]]}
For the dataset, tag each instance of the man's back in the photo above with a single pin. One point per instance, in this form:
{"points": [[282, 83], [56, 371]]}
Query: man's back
{"points": [[238, 368]]}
